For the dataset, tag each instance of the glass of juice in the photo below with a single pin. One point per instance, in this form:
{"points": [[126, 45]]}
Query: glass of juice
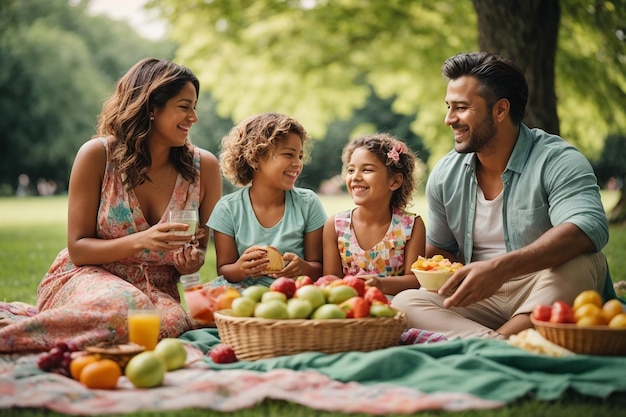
{"points": [[189, 217], [144, 326]]}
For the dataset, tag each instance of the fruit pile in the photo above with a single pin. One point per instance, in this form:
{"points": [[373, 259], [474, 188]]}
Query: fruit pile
{"points": [[436, 263], [144, 370], [587, 310], [330, 297]]}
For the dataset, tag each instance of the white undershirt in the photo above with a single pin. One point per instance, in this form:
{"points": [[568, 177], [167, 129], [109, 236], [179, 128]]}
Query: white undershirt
{"points": [[488, 232]]}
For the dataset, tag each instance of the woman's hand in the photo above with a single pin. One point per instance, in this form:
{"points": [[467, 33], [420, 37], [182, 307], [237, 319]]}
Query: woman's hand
{"points": [[162, 237], [189, 259]]}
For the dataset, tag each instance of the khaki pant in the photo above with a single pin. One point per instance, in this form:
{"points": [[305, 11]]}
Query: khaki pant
{"points": [[424, 309]]}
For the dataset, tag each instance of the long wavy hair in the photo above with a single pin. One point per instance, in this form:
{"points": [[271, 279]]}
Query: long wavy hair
{"points": [[253, 140], [148, 85]]}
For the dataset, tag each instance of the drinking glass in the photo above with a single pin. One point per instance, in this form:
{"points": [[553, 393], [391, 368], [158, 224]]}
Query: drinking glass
{"points": [[144, 326], [189, 217]]}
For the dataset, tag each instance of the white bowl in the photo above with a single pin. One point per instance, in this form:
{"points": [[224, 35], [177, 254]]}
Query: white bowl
{"points": [[431, 280]]}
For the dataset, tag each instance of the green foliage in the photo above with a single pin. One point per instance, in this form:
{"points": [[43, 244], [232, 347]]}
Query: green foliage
{"points": [[314, 60], [58, 64]]}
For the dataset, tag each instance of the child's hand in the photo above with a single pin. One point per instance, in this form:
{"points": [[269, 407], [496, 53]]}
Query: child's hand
{"points": [[372, 280], [253, 261], [295, 266]]}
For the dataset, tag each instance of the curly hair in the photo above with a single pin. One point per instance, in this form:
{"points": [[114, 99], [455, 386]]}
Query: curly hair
{"points": [[148, 85], [395, 155], [254, 140]]}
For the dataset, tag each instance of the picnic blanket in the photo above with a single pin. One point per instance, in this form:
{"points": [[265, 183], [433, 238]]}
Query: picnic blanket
{"points": [[453, 375]]}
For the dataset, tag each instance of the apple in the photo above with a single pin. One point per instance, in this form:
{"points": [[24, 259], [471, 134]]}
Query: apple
{"points": [[357, 283], [284, 285], [303, 280], [356, 307], [325, 280], [378, 309], [313, 293], [145, 370], [273, 309], [541, 312], [273, 295], [562, 313], [255, 292], [172, 352], [340, 293], [243, 307], [328, 311], [299, 308], [375, 294]]}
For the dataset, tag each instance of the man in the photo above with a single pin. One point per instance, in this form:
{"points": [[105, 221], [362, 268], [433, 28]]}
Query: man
{"points": [[520, 208]]}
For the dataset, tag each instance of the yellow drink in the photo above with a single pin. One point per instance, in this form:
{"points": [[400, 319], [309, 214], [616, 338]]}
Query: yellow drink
{"points": [[144, 327]]}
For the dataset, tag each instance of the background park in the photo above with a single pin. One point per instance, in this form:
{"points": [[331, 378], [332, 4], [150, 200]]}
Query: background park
{"points": [[342, 68]]}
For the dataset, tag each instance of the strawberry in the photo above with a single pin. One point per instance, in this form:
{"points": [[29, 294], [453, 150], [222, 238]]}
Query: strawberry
{"points": [[223, 353]]}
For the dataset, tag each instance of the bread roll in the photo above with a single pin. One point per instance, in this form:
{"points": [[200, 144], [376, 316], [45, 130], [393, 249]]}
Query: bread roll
{"points": [[276, 259]]}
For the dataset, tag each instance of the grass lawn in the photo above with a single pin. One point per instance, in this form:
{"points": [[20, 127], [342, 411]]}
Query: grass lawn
{"points": [[33, 231]]}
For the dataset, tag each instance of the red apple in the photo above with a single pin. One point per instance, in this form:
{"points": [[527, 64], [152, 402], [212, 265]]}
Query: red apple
{"points": [[285, 285], [357, 283], [562, 313], [326, 280], [303, 280], [542, 312], [356, 307], [375, 294]]}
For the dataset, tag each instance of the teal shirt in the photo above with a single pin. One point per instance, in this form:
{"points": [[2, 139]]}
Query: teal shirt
{"points": [[547, 182], [233, 216]]}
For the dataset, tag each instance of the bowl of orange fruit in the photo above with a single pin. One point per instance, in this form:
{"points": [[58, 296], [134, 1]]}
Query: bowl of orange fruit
{"points": [[433, 272], [588, 326]]}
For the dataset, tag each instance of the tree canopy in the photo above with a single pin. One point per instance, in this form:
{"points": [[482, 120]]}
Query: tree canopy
{"points": [[315, 59]]}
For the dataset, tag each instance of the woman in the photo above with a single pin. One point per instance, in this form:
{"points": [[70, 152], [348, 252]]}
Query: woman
{"points": [[122, 253]]}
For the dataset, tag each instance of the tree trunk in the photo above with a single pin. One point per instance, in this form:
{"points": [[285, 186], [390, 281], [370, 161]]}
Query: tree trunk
{"points": [[525, 31]]}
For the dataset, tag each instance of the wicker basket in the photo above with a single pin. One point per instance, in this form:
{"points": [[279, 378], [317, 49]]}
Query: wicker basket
{"points": [[256, 338], [589, 340]]}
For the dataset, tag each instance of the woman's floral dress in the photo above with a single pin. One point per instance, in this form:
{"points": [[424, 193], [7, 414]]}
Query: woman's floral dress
{"points": [[87, 305], [386, 258]]}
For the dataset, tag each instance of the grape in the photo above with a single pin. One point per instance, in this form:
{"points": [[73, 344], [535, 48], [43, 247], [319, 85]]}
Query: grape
{"points": [[46, 363], [62, 346]]}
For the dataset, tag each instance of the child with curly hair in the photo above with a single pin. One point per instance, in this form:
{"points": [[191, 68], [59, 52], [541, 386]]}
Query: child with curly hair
{"points": [[378, 240], [265, 155]]}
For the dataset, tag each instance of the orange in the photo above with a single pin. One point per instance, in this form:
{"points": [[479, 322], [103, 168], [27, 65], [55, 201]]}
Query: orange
{"points": [[596, 320], [589, 311], [587, 297], [611, 309], [101, 374], [78, 363], [225, 300], [619, 321]]}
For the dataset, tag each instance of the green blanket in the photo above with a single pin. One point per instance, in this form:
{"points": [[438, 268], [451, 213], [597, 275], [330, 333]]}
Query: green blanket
{"points": [[489, 369]]}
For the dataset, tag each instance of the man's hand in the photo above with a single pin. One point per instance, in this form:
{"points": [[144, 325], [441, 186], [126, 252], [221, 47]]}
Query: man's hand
{"points": [[474, 282]]}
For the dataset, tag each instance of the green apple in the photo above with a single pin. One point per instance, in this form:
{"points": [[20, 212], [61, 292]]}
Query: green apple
{"points": [[299, 308], [340, 293], [172, 352], [328, 311], [382, 310], [255, 292], [243, 307], [272, 309], [273, 295], [145, 370], [313, 293]]}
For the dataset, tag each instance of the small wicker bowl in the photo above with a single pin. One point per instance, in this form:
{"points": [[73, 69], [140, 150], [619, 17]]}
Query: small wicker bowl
{"points": [[256, 338], [431, 280], [588, 340], [118, 353]]}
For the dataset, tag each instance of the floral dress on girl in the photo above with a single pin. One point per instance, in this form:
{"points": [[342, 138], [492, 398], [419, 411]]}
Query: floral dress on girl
{"points": [[87, 305], [386, 258]]}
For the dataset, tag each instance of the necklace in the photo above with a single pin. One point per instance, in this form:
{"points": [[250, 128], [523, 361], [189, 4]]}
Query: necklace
{"points": [[164, 184]]}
